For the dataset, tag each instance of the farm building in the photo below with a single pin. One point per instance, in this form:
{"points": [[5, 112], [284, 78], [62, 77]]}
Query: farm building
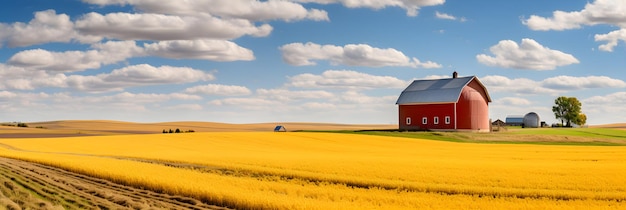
{"points": [[531, 120], [514, 120], [280, 128], [452, 104], [498, 122]]}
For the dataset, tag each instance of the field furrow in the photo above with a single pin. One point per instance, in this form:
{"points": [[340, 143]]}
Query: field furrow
{"points": [[53, 188]]}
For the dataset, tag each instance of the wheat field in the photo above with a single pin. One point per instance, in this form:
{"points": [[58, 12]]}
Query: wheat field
{"points": [[299, 170]]}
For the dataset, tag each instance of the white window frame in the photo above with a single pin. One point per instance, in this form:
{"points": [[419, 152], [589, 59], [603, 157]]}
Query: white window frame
{"points": [[408, 121], [424, 120], [447, 119], [436, 120]]}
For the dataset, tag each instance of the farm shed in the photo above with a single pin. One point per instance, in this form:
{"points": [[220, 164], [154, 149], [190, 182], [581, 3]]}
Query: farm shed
{"points": [[531, 120], [514, 120], [452, 104], [280, 128], [498, 122]]}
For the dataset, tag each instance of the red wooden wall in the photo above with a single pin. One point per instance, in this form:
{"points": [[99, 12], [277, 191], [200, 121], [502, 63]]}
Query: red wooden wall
{"points": [[430, 111], [472, 112]]}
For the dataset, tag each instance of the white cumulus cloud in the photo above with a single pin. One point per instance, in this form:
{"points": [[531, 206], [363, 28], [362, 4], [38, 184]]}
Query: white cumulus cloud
{"points": [[253, 10], [612, 39], [609, 12], [70, 61], [149, 26], [247, 103], [618, 99], [522, 86], [552, 85], [289, 95], [577, 83], [411, 6], [46, 26], [512, 101], [116, 51], [216, 50], [344, 79], [19, 78], [192, 107], [446, 16], [355, 97], [216, 89], [7, 95], [300, 54], [529, 54], [134, 99], [137, 75], [609, 108], [319, 106]]}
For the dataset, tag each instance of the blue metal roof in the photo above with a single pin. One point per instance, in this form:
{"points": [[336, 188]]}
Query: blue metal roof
{"points": [[434, 91], [514, 119]]}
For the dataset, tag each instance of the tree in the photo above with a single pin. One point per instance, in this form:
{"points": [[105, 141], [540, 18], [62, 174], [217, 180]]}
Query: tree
{"points": [[177, 130], [581, 119], [567, 109]]}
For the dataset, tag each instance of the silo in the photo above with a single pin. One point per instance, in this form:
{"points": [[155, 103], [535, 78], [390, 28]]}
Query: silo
{"points": [[531, 120]]}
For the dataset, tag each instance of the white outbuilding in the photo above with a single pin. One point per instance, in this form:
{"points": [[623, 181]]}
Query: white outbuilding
{"points": [[531, 120]]}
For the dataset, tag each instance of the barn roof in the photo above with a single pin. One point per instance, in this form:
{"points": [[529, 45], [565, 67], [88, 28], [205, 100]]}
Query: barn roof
{"points": [[514, 119], [436, 91]]}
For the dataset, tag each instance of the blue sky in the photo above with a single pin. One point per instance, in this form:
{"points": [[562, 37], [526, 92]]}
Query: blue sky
{"points": [[341, 61]]}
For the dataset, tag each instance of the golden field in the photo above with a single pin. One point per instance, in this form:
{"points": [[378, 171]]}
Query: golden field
{"points": [[299, 170]]}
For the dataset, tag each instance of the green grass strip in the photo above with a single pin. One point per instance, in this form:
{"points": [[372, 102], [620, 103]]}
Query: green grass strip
{"points": [[509, 137]]}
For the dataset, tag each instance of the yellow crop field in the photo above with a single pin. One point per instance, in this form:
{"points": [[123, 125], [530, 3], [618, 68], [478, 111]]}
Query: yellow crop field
{"points": [[252, 170]]}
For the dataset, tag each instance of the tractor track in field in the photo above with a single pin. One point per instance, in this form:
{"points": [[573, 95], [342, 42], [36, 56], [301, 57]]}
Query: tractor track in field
{"points": [[27, 185]]}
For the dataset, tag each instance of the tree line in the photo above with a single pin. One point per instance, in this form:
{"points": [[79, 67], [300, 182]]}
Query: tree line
{"points": [[177, 131]]}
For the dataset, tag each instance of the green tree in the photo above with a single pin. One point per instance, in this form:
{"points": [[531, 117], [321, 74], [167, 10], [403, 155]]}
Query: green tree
{"points": [[581, 119], [567, 109]]}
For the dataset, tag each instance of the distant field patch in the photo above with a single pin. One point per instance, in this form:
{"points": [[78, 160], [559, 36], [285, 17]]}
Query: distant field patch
{"points": [[543, 136], [583, 132]]}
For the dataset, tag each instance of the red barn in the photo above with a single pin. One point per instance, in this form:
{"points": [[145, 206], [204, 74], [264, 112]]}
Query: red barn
{"points": [[453, 104]]}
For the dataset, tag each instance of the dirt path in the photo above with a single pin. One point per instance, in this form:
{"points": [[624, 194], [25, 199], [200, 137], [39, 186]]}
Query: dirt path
{"points": [[25, 185]]}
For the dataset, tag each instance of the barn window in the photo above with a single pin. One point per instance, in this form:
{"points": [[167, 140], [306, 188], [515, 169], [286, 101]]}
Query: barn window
{"points": [[408, 120], [436, 120], [425, 120], [447, 119]]}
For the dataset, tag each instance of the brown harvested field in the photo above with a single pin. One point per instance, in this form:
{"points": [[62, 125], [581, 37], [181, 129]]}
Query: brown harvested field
{"points": [[25, 185], [103, 127], [621, 126]]}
